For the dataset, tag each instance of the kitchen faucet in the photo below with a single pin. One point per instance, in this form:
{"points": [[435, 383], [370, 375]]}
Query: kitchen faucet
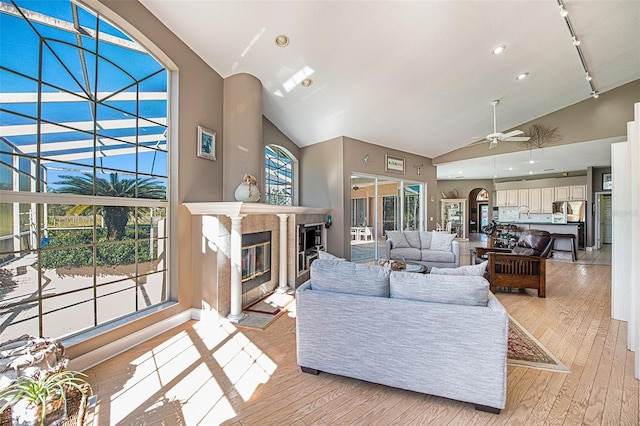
{"points": [[528, 211]]}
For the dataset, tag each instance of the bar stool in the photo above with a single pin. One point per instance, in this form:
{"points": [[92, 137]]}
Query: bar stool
{"points": [[571, 238]]}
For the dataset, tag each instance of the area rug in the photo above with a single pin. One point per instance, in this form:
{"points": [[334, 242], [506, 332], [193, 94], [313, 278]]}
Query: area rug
{"points": [[526, 351], [271, 304], [265, 311]]}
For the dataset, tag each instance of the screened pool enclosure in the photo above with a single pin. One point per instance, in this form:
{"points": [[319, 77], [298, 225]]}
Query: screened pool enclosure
{"points": [[83, 171]]}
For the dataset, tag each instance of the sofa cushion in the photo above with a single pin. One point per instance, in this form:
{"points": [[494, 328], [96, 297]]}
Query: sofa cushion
{"points": [[438, 256], [406, 254], [473, 270], [457, 290], [442, 241], [341, 276], [398, 240], [413, 238], [425, 239]]}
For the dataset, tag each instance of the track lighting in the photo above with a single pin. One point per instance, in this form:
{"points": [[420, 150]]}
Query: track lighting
{"points": [[576, 43], [563, 11]]}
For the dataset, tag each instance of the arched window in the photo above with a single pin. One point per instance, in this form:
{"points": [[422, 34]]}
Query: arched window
{"points": [[83, 171], [280, 176]]}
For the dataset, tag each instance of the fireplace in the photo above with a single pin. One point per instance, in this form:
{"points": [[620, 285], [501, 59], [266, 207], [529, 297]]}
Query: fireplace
{"points": [[256, 259]]}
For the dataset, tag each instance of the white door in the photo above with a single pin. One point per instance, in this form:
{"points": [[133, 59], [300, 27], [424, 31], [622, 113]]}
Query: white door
{"points": [[605, 219]]}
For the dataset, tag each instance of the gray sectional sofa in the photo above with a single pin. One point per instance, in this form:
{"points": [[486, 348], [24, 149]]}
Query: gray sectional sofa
{"points": [[435, 334], [429, 248]]}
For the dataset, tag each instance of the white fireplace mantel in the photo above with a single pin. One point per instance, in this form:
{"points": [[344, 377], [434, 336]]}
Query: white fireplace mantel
{"points": [[232, 209], [237, 211]]}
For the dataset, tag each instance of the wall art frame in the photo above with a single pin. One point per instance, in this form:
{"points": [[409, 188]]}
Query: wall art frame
{"points": [[394, 164], [206, 143], [607, 183]]}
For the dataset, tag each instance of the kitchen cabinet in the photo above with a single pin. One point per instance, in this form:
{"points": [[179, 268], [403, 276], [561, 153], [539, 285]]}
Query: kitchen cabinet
{"points": [[507, 197], [535, 200], [547, 199], [523, 197], [563, 193], [454, 211], [578, 192]]}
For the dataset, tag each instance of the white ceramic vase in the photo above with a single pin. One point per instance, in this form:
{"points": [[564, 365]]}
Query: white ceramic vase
{"points": [[247, 193]]}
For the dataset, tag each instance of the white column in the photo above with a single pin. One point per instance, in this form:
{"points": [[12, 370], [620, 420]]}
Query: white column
{"points": [[282, 268], [236, 314]]}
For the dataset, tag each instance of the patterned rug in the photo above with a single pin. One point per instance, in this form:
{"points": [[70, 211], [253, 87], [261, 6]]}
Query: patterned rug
{"points": [[526, 351]]}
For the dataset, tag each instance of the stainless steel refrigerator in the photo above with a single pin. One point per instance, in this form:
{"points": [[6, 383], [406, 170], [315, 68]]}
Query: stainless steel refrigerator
{"points": [[572, 212]]}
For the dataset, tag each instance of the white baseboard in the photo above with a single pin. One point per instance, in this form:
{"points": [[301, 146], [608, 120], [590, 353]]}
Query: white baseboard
{"points": [[106, 352]]}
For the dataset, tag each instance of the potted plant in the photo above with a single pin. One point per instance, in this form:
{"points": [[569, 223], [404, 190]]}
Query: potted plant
{"points": [[41, 399]]}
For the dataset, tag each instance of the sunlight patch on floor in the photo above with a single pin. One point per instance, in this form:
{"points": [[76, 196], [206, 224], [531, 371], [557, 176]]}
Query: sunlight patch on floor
{"points": [[245, 364], [187, 364]]}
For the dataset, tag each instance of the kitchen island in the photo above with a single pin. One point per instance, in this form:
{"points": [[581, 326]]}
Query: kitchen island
{"points": [[553, 228]]}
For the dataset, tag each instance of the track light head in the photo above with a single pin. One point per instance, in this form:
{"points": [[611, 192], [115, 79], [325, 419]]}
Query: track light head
{"points": [[595, 94], [576, 42], [563, 11]]}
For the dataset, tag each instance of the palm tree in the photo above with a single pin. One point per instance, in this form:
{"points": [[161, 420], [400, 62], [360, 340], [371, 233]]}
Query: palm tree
{"points": [[115, 217]]}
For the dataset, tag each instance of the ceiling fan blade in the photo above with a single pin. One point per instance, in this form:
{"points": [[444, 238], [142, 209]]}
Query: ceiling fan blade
{"points": [[517, 139], [512, 133]]}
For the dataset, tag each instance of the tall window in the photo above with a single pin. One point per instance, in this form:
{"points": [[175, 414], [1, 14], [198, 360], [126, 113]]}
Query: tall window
{"points": [[279, 178], [83, 171]]}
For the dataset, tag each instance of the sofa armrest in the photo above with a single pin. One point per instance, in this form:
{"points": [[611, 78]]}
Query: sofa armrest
{"points": [[482, 252], [387, 247], [455, 248]]}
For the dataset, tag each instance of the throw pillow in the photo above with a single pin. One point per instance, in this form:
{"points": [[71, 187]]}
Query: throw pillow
{"points": [[441, 241], [439, 289], [341, 276], [398, 240], [413, 238], [469, 270], [425, 240], [324, 255]]}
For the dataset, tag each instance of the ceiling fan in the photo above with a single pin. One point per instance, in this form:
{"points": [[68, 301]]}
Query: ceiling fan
{"points": [[495, 137]]}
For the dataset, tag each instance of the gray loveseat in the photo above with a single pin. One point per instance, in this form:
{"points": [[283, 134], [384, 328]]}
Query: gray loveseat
{"points": [[421, 247], [435, 334]]}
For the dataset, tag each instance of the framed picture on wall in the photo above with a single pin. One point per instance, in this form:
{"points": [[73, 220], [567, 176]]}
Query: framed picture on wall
{"points": [[206, 143], [393, 164], [607, 183]]}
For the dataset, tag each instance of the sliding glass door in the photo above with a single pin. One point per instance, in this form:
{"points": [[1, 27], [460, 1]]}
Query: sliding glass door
{"points": [[378, 205]]}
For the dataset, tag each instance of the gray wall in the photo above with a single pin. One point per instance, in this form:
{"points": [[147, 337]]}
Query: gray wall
{"points": [[326, 178], [244, 151], [589, 120], [322, 185]]}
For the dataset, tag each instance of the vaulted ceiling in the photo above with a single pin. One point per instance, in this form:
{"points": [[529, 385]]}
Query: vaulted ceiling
{"points": [[417, 76]]}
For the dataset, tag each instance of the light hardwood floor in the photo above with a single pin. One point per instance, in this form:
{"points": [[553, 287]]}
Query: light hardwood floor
{"points": [[201, 373]]}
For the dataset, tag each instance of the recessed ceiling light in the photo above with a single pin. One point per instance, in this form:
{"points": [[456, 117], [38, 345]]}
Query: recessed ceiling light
{"points": [[307, 82], [523, 76], [282, 40], [510, 168], [531, 161], [498, 50]]}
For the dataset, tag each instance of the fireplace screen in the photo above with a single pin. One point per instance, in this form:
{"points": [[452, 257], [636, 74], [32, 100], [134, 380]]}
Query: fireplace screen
{"points": [[256, 257]]}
